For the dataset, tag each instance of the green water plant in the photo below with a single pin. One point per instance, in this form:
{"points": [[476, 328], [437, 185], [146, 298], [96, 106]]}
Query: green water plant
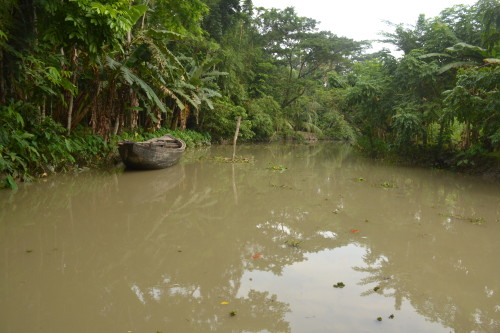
{"points": [[339, 285], [293, 243], [276, 167]]}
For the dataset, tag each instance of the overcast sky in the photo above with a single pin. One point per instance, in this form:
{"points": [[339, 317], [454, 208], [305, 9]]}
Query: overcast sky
{"points": [[362, 19]]}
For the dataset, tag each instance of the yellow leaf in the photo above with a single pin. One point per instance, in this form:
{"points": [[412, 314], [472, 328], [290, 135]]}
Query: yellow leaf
{"points": [[224, 303]]}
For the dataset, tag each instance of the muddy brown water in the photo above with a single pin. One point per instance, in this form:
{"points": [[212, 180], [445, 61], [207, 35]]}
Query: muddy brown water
{"points": [[207, 246]]}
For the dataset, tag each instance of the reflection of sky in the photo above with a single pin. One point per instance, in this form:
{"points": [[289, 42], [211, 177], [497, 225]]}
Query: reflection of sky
{"points": [[306, 285]]}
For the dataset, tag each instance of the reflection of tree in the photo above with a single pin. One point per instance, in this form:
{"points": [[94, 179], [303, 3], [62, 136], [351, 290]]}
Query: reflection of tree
{"points": [[166, 248], [420, 256]]}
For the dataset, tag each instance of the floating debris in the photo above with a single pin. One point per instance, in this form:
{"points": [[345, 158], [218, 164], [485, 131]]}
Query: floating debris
{"points": [[339, 285], [232, 313], [391, 316], [277, 167], [473, 220], [293, 243], [377, 288], [379, 318], [282, 186], [387, 185], [478, 220], [236, 159]]}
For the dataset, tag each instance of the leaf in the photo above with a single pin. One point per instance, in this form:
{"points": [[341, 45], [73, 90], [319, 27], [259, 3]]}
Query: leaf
{"points": [[354, 231], [11, 183], [224, 303], [456, 64], [256, 256], [491, 61]]}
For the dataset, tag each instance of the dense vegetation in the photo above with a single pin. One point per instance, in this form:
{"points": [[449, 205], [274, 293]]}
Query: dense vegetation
{"points": [[75, 75]]}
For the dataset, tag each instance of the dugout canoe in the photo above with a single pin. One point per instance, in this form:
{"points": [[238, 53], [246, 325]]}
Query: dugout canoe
{"points": [[157, 153]]}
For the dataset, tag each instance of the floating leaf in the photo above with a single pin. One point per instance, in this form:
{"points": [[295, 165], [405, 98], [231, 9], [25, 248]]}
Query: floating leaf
{"points": [[255, 256], [224, 303], [232, 313], [391, 316], [376, 288], [354, 231], [379, 318]]}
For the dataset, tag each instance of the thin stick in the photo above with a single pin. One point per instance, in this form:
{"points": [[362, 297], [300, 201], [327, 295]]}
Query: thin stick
{"points": [[238, 123]]}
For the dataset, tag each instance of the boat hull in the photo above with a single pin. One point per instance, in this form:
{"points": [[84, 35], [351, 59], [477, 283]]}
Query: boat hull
{"points": [[153, 154]]}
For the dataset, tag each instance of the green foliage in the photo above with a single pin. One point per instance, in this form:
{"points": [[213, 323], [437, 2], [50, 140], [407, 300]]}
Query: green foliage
{"points": [[183, 17], [336, 127], [220, 123], [191, 138], [475, 99], [407, 123], [369, 98], [88, 25], [149, 67], [30, 146], [263, 112]]}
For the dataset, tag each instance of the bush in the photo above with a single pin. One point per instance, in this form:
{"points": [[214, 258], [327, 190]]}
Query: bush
{"points": [[261, 112], [220, 122], [30, 146]]}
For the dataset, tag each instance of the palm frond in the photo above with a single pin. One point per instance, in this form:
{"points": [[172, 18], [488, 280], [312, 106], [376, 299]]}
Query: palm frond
{"points": [[131, 78]]}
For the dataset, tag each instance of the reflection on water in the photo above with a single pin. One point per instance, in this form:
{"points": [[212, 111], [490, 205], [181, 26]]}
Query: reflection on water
{"points": [[178, 250]]}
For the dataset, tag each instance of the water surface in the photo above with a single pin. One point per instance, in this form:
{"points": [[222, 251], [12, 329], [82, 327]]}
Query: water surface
{"points": [[208, 246]]}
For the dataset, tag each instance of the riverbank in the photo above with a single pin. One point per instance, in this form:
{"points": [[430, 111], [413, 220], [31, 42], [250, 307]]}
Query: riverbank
{"points": [[44, 149], [47, 151], [486, 166]]}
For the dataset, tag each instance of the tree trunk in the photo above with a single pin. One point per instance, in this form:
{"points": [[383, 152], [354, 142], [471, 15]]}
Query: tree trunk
{"points": [[3, 92], [74, 59], [441, 135], [134, 114], [117, 124], [158, 116], [175, 118], [42, 115], [467, 135], [184, 116], [70, 113]]}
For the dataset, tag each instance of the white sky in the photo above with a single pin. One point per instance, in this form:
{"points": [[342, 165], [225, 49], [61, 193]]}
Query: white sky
{"points": [[362, 19]]}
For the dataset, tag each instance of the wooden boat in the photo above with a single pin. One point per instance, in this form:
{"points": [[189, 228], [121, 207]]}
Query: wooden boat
{"points": [[157, 153]]}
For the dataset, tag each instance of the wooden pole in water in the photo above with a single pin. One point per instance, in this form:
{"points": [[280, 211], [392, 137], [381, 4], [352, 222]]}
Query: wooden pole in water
{"points": [[238, 123]]}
